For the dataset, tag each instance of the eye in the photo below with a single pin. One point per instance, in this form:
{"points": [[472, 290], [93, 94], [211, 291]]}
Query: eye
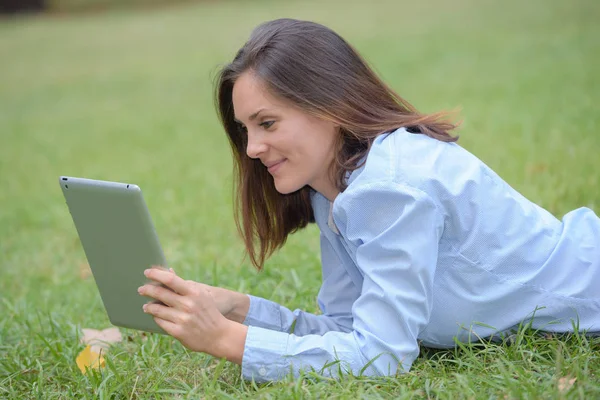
{"points": [[267, 124]]}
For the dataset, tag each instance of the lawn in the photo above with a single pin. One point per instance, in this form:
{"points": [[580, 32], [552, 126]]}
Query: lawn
{"points": [[127, 95]]}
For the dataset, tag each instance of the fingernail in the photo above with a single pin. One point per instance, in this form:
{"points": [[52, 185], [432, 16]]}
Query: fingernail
{"points": [[146, 272], [144, 307], [140, 289]]}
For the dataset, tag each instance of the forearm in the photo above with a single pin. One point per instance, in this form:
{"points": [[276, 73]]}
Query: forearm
{"points": [[257, 311], [272, 356], [271, 315]]}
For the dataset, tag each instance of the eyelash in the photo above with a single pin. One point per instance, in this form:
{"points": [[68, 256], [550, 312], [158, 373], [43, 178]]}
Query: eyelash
{"points": [[267, 124]]}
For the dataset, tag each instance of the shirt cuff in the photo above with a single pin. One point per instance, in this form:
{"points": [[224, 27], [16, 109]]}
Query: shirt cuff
{"points": [[263, 313], [264, 356]]}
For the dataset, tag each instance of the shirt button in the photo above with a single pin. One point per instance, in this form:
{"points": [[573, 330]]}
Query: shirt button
{"points": [[262, 371]]}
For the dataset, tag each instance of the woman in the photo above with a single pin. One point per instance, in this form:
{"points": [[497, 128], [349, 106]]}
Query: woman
{"points": [[420, 241]]}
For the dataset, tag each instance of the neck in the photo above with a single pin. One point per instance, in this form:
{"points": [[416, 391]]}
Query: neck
{"points": [[330, 192], [325, 185]]}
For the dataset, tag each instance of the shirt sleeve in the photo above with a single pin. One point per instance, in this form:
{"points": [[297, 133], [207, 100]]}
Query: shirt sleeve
{"points": [[335, 299], [396, 229]]}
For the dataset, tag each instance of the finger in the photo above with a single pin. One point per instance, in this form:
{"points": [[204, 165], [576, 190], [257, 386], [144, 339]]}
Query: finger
{"points": [[167, 326], [163, 268], [159, 267], [168, 279], [160, 293], [163, 312], [151, 282]]}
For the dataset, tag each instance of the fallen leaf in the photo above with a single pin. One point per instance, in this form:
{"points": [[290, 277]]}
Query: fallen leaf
{"points": [[89, 359], [101, 339], [565, 383]]}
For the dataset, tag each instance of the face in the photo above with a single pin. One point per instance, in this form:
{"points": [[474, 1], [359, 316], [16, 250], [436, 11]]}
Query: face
{"points": [[296, 148]]}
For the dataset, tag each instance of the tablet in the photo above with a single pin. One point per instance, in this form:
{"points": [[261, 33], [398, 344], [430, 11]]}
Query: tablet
{"points": [[119, 240]]}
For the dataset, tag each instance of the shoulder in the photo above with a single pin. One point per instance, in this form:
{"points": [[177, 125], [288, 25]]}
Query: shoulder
{"points": [[417, 161], [402, 157], [404, 169]]}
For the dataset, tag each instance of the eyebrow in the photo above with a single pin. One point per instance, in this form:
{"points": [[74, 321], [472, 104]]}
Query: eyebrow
{"points": [[253, 116]]}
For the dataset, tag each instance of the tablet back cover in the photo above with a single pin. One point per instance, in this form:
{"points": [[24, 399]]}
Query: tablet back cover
{"points": [[120, 242]]}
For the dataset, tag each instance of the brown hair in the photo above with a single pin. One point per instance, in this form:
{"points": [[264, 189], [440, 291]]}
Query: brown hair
{"points": [[314, 69]]}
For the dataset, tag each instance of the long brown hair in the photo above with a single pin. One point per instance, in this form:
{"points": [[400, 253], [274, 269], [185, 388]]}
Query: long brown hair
{"points": [[314, 69]]}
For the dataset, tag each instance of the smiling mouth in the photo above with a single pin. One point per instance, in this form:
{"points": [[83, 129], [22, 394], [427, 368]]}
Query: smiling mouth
{"points": [[276, 166]]}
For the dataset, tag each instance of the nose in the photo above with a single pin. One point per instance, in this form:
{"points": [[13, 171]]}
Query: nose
{"points": [[256, 145]]}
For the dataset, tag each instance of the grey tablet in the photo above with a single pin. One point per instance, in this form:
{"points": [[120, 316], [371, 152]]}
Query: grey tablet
{"points": [[119, 240]]}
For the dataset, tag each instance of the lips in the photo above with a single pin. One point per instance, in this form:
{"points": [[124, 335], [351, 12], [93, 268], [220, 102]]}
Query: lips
{"points": [[274, 166]]}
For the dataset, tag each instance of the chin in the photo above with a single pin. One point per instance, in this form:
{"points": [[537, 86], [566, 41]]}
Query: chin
{"points": [[287, 187]]}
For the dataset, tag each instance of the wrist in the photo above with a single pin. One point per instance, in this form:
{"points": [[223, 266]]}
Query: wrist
{"points": [[232, 342], [241, 305]]}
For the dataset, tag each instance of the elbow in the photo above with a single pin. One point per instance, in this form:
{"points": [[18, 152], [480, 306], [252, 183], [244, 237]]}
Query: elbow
{"points": [[383, 359]]}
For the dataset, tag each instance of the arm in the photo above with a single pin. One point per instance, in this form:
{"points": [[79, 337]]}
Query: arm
{"points": [[397, 229], [335, 299]]}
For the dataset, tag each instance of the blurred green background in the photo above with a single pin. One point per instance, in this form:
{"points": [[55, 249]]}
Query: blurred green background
{"points": [[124, 92]]}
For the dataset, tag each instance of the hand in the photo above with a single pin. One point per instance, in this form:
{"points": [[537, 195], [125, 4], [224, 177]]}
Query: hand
{"points": [[191, 315], [233, 305]]}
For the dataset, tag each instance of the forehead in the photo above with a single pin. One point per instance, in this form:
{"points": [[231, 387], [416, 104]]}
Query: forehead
{"points": [[250, 94]]}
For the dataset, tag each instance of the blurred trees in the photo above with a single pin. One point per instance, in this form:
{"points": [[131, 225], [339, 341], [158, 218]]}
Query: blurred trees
{"points": [[24, 6], [19, 6]]}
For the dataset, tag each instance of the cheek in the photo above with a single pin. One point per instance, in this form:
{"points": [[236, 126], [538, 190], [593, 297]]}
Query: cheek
{"points": [[307, 144], [324, 149]]}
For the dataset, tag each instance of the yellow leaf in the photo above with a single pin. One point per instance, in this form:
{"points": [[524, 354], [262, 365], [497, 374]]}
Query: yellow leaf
{"points": [[89, 359]]}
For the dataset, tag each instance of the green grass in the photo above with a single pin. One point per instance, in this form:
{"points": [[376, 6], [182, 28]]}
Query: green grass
{"points": [[126, 96]]}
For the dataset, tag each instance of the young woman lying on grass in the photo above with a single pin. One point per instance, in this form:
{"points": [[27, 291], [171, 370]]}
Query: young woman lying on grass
{"points": [[421, 242]]}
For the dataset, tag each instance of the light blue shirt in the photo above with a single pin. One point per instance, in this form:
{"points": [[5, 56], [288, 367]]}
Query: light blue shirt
{"points": [[428, 244]]}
